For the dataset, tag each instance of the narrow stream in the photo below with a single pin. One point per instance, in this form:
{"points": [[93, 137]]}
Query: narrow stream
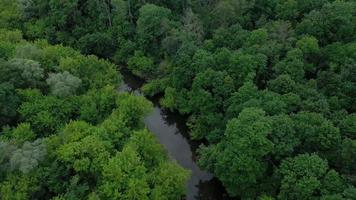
{"points": [[172, 133]]}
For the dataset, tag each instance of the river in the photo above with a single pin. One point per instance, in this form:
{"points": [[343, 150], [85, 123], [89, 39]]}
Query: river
{"points": [[171, 131]]}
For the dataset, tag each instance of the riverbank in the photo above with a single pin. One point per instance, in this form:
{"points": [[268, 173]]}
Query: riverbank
{"points": [[171, 131]]}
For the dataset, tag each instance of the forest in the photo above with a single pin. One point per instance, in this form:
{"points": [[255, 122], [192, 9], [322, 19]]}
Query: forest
{"points": [[267, 86]]}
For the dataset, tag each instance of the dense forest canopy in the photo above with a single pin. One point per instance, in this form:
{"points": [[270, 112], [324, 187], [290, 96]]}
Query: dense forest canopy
{"points": [[68, 134], [269, 85]]}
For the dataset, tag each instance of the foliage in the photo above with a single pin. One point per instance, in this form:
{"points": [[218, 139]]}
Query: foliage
{"points": [[133, 108], [94, 72], [28, 156], [63, 84], [24, 158], [268, 86], [96, 105], [9, 14], [238, 159], [22, 73], [306, 175], [152, 24], [141, 65], [154, 87], [22, 133], [64, 140], [46, 114], [28, 51], [9, 102]]}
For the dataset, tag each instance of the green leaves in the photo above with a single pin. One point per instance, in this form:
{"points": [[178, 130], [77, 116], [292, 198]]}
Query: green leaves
{"points": [[46, 114], [333, 22], [169, 181], [10, 14], [138, 168], [152, 24], [270, 85], [85, 155], [76, 137], [23, 158], [22, 73], [309, 45], [141, 171], [348, 126], [147, 148], [94, 73], [9, 102], [292, 65], [28, 156], [304, 176], [96, 105], [133, 108], [283, 136], [141, 65], [63, 84], [22, 133], [123, 175], [238, 159], [317, 133]]}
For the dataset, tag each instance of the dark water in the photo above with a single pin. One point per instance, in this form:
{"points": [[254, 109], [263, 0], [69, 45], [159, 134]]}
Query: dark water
{"points": [[172, 133]]}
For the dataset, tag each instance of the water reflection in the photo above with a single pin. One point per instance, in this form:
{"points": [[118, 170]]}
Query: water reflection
{"points": [[171, 131]]}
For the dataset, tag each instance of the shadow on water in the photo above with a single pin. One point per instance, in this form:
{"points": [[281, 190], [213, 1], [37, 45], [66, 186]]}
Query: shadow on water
{"points": [[171, 131]]}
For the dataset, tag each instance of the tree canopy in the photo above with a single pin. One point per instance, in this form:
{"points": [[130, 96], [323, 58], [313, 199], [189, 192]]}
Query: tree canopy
{"points": [[66, 132], [268, 88]]}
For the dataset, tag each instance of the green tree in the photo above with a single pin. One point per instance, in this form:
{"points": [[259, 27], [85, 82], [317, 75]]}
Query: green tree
{"points": [[11, 36], [6, 50], [23, 158], [238, 160], [283, 84], [63, 84], [305, 175], [96, 105], [133, 108], [22, 133], [309, 45], [17, 186], [28, 156], [100, 44], [52, 56], [283, 136], [209, 90], [10, 14], [348, 126], [333, 22], [152, 154], [291, 65], [295, 9], [94, 72], [152, 25], [28, 51], [228, 12], [142, 65], [22, 73], [124, 176], [245, 97], [166, 186], [347, 153], [84, 150], [193, 26], [244, 67], [316, 133], [206, 100], [46, 114], [9, 102]]}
